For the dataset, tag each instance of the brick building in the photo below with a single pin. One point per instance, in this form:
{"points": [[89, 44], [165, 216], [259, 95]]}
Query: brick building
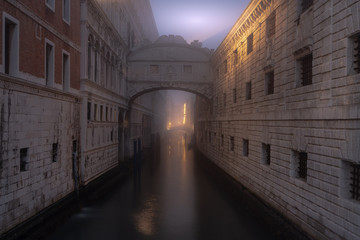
{"points": [[285, 115]]}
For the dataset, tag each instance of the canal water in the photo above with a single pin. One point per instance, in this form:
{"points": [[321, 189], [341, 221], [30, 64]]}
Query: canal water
{"points": [[171, 198]]}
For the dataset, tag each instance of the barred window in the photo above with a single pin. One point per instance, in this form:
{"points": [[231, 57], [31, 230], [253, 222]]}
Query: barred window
{"points": [[24, 159], [269, 83], [305, 4], [232, 143], [306, 70], [266, 154], [356, 53], [225, 66], [248, 91], [234, 95], [355, 181], [270, 25], [250, 40], [55, 147], [245, 147]]}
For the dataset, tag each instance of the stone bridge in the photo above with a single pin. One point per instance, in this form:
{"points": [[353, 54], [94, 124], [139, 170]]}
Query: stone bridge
{"points": [[170, 63]]}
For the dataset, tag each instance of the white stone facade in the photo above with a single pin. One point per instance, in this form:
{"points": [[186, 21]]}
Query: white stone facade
{"points": [[269, 119]]}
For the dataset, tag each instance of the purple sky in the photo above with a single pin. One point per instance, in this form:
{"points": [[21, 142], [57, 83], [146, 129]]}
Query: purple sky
{"points": [[205, 20]]}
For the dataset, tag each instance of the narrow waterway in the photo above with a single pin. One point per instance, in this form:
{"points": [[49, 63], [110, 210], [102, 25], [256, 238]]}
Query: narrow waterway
{"points": [[171, 198]]}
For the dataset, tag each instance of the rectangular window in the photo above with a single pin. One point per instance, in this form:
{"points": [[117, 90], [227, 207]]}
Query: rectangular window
{"points": [[269, 83], [66, 71], [49, 63], [305, 70], [222, 140], [355, 53], [245, 147], [95, 112], [232, 143], [11, 45], [250, 40], [55, 149], [236, 57], [187, 69], [50, 4], [106, 113], [270, 25], [305, 4], [234, 95], [209, 137], [299, 164], [24, 159], [154, 69], [217, 73], [101, 112], [248, 91], [89, 111], [225, 66], [266, 154], [66, 10], [224, 96], [355, 181]]}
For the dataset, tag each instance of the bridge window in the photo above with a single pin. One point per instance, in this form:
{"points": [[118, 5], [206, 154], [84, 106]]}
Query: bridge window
{"points": [[245, 147], [248, 91], [187, 69], [299, 164], [270, 25], [269, 83], [154, 69], [24, 159], [266, 154], [250, 40], [304, 67], [232, 143], [55, 148]]}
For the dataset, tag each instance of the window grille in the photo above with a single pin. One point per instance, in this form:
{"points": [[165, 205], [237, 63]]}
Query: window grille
{"points": [[250, 40], [271, 25], [269, 78], [266, 153], [306, 70], [225, 66], [232, 143], [302, 171], [245, 147], [23, 159], [55, 147], [356, 62], [222, 140], [248, 91], [306, 4], [355, 181], [234, 95]]}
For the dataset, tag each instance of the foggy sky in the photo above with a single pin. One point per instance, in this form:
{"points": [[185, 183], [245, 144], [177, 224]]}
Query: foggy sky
{"points": [[205, 20]]}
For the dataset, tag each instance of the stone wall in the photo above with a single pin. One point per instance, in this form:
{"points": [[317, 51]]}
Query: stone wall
{"points": [[269, 120]]}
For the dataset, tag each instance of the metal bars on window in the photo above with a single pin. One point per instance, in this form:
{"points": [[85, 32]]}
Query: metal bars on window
{"points": [[302, 165], [355, 181], [357, 54], [306, 70], [266, 152]]}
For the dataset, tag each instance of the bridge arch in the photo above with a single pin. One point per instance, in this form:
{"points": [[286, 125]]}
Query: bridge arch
{"points": [[170, 63]]}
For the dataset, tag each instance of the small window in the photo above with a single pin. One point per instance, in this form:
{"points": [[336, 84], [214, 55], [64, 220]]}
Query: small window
{"points": [[355, 54], [66, 10], [217, 73], [66, 71], [225, 66], [55, 149], [355, 181], [154, 69], [49, 63], [222, 140], [266, 154], [245, 147], [187, 69], [232, 143], [11, 45], [24, 159], [50, 4], [299, 164], [248, 91], [89, 111], [269, 83], [236, 57], [305, 4], [106, 113], [234, 95], [101, 112], [270, 25], [250, 40], [95, 112], [305, 70], [209, 137]]}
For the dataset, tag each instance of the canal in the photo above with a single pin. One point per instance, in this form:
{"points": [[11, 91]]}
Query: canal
{"points": [[172, 197]]}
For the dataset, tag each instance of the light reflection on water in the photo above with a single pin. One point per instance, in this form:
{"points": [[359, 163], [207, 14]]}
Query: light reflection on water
{"points": [[144, 219]]}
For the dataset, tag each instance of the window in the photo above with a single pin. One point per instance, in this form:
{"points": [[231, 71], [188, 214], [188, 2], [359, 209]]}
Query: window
{"points": [[250, 40], [101, 112], [222, 140], [55, 149], [49, 63], [248, 91], [270, 25], [24, 159], [66, 71], [236, 57], [355, 54], [217, 73], [234, 95], [305, 4], [305, 70], [245, 147], [269, 83], [106, 113], [209, 137], [299, 164], [66, 10], [266, 154], [89, 111], [224, 96], [355, 181], [225, 66], [11, 45], [154, 69], [89, 56], [187, 69], [95, 112], [232, 143], [50, 4]]}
